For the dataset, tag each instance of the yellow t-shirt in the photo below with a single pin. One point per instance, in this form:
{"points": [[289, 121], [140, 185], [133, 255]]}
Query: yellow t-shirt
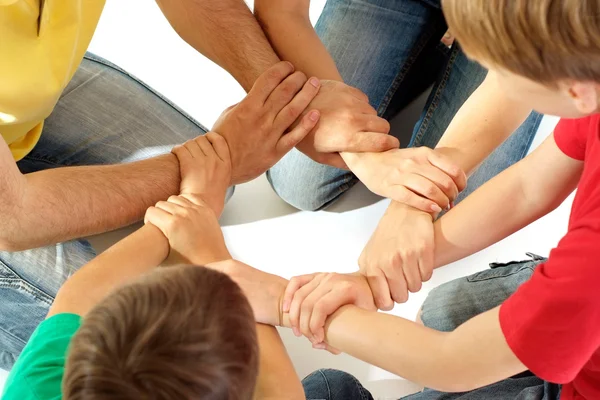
{"points": [[42, 42]]}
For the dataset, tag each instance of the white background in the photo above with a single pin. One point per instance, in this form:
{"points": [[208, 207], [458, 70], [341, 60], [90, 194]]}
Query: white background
{"points": [[260, 228]]}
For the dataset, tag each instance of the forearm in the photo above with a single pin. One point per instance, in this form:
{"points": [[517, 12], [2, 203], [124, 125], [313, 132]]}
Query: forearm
{"points": [[226, 32], [512, 200], [472, 356], [484, 122], [66, 203], [288, 28], [277, 378], [137, 254]]}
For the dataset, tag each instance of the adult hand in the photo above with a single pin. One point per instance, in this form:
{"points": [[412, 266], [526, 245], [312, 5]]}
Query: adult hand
{"points": [[192, 228], [256, 129], [348, 124], [205, 168], [310, 299], [264, 290], [399, 256], [419, 177]]}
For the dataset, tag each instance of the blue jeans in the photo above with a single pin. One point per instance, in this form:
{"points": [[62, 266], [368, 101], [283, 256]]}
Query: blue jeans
{"points": [[391, 50], [447, 307], [105, 116]]}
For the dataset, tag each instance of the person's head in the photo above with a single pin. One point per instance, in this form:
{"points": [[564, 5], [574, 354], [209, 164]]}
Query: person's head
{"points": [[181, 333], [544, 53]]}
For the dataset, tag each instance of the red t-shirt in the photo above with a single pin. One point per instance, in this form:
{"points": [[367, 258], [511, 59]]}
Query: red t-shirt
{"points": [[552, 322]]}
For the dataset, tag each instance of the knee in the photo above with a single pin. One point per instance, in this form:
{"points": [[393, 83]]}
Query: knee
{"points": [[441, 309], [332, 384], [306, 184]]}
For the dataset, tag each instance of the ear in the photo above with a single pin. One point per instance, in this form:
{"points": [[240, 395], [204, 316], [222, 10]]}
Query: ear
{"points": [[585, 96]]}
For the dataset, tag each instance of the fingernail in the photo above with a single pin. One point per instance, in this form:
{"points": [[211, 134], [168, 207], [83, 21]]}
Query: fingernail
{"points": [[286, 306], [320, 346], [314, 116], [315, 82], [290, 64], [296, 332], [436, 208]]}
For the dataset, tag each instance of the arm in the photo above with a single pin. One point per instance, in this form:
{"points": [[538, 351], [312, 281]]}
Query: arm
{"points": [[474, 355], [60, 204], [520, 195], [288, 28], [482, 124], [127, 260], [224, 31]]}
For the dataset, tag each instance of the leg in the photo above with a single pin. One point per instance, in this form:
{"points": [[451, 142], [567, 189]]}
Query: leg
{"points": [[329, 384], [456, 83], [453, 303], [402, 37], [104, 116]]}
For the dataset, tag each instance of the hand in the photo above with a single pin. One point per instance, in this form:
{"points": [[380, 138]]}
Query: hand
{"points": [[255, 129], [310, 299], [205, 168], [192, 228], [264, 291], [399, 255], [348, 123], [418, 177]]}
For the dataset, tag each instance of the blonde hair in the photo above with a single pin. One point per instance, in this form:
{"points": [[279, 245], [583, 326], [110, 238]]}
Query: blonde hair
{"points": [[544, 40]]}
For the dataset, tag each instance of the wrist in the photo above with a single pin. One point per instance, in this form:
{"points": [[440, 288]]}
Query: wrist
{"points": [[402, 210]]}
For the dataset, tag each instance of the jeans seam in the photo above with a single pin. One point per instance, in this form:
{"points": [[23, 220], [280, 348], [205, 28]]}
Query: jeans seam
{"points": [[48, 160], [415, 52], [435, 100], [326, 383], [33, 290], [106, 63], [538, 119], [13, 336]]}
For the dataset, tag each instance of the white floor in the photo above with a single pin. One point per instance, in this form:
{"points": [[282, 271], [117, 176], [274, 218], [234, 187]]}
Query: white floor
{"points": [[260, 228]]}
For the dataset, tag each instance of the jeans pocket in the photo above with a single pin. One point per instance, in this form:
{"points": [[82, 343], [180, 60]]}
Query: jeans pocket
{"points": [[22, 308], [504, 270]]}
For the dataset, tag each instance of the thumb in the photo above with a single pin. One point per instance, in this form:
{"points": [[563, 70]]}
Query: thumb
{"points": [[295, 136]]}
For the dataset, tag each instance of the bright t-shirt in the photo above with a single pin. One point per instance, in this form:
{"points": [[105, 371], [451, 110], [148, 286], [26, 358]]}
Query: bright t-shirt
{"points": [[42, 42], [39, 370], [552, 322]]}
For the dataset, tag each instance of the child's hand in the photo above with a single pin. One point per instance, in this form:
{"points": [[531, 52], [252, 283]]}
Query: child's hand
{"points": [[205, 167], [192, 228], [256, 129], [310, 299], [418, 177], [264, 291], [399, 255]]}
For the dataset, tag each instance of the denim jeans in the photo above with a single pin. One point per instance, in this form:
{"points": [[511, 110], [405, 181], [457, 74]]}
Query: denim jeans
{"points": [[447, 307], [105, 116], [391, 50]]}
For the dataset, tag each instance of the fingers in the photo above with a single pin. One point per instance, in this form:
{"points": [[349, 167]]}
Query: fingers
{"points": [[401, 194], [371, 142], [381, 291], [290, 110], [427, 189], [439, 178], [286, 92], [397, 285], [426, 260], [268, 81], [220, 146], [205, 146], [296, 304], [373, 123], [182, 153], [293, 285], [445, 164], [291, 139], [159, 218], [307, 309], [326, 305], [412, 275]]}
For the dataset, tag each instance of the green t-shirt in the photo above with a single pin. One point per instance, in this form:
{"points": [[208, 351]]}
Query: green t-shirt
{"points": [[38, 372]]}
